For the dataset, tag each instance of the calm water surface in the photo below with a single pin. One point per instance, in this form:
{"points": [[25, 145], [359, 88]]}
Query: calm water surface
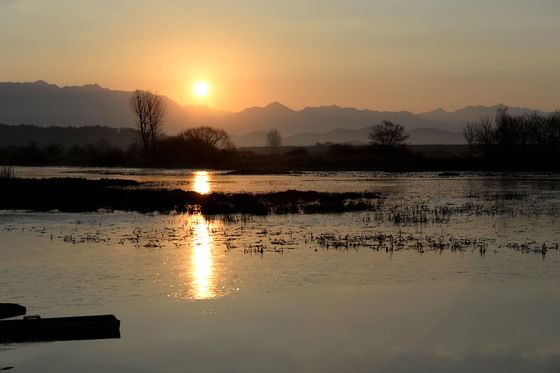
{"points": [[447, 274]]}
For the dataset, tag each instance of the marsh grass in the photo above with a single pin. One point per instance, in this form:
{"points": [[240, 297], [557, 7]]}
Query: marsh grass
{"points": [[67, 194], [7, 172]]}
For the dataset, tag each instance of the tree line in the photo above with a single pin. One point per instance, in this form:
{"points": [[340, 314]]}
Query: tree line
{"points": [[24, 134], [529, 141], [529, 138]]}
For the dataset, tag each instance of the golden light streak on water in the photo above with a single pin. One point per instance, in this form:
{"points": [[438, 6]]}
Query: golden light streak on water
{"points": [[202, 262]]}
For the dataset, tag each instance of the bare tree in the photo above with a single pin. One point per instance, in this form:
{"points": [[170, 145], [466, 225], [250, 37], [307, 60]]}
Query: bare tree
{"points": [[481, 133], [273, 138], [150, 110], [524, 137], [469, 131], [388, 135]]}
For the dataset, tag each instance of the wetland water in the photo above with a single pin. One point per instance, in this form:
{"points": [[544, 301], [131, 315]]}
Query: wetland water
{"points": [[445, 274]]}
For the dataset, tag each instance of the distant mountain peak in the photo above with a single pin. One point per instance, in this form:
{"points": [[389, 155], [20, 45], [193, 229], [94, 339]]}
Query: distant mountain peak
{"points": [[273, 107], [37, 84], [42, 82], [328, 108], [438, 114], [93, 86], [277, 106]]}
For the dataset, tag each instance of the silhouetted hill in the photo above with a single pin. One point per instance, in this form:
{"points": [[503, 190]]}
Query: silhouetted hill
{"points": [[434, 136], [457, 119], [67, 136], [418, 136], [46, 104]]}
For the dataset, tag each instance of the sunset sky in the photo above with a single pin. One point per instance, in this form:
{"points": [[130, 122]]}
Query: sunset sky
{"points": [[414, 55]]}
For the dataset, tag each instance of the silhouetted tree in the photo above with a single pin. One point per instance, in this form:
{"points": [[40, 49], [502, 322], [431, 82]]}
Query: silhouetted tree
{"points": [[150, 110], [197, 147], [516, 139], [388, 135], [481, 134], [212, 138], [273, 138], [469, 133]]}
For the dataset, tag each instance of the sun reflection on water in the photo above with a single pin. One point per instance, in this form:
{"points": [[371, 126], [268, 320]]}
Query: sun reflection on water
{"points": [[202, 262], [201, 183]]}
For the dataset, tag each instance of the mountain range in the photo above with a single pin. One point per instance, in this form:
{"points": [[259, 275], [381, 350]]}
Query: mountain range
{"points": [[45, 104]]}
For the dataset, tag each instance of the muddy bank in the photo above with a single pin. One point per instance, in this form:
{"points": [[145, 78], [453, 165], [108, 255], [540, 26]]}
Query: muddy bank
{"points": [[81, 195]]}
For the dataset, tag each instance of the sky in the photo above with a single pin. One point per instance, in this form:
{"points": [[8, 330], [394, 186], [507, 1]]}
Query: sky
{"points": [[415, 55]]}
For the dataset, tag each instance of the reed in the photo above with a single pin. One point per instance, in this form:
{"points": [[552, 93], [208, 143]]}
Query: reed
{"points": [[7, 172]]}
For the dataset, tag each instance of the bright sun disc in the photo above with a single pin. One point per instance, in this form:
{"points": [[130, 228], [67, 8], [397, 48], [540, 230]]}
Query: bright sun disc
{"points": [[200, 89]]}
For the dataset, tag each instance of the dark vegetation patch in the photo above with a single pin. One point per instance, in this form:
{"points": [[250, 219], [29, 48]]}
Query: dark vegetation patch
{"points": [[81, 195]]}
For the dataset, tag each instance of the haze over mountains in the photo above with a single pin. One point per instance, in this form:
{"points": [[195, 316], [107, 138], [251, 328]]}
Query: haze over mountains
{"points": [[46, 104]]}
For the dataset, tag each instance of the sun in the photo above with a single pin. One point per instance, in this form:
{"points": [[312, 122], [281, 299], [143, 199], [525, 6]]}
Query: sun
{"points": [[200, 89]]}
